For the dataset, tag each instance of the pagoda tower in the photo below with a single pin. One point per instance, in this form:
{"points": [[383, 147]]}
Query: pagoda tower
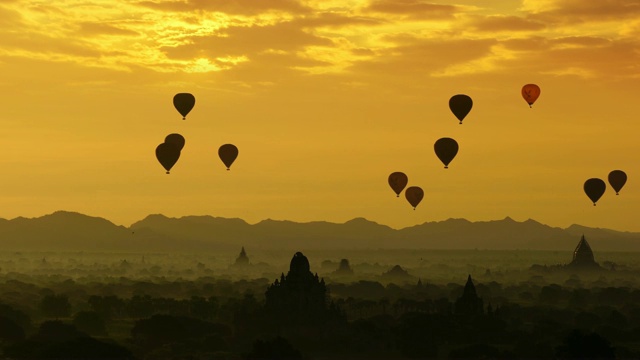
{"points": [[583, 256], [469, 303]]}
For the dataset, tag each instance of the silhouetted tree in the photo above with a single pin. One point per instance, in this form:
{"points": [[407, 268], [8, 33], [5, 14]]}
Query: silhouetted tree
{"points": [[277, 348], [55, 306], [90, 322], [416, 336], [580, 346], [107, 306], [479, 351], [10, 332], [17, 316]]}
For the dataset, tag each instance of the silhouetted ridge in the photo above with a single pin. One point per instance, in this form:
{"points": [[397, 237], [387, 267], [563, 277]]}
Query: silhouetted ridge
{"points": [[73, 231]]}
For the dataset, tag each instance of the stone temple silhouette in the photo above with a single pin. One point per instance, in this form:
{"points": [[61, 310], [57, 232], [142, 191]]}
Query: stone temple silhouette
{"points": [[469, 303], [583, 256], [242, 259], [300, 296], [344, 268]]}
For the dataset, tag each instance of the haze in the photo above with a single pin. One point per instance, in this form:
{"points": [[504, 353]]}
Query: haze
{"points": [[324, 99]]}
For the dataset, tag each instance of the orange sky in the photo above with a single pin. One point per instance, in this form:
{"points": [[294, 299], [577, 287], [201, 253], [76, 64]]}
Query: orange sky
{"points": [[324, 99]]}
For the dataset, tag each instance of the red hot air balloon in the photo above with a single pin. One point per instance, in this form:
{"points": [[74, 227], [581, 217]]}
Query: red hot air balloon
{"points": [[184, 102], [617, 179], [414, 195], [398, 181], [460, 106], [530, 93], [228, 154], [594, 188], [167, 154], [446, 149]]}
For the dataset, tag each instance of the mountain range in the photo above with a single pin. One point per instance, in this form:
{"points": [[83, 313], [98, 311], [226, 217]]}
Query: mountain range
{"points": [[71, 231]]}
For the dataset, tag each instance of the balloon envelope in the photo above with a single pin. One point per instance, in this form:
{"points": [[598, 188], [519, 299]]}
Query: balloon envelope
{"points": [[184, 102], [175, 139], [167, 154], [446, 149], [460, 106], [594, 188], [617, 179], [414, 195], [530, 93], [398, 181], [228, 154]]}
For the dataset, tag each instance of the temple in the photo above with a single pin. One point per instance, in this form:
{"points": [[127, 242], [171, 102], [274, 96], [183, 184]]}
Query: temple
{"points": [[300, 295], [242, 259], [469, 303], [344, 268], [397, 273], [583, 256]]}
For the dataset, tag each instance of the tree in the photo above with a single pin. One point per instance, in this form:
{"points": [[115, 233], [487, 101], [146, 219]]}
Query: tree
{"points": [[277, 348], [90, 322], [55, 306], [580, 346], [10, 331]]}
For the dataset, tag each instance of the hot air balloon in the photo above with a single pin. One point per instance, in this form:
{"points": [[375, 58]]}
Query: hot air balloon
{"points": [[460, 106], [530, 93], [617, 179], [167, 154], [414, 195], [398, 181], [184, 102], [594, 188], [446, 149], [228, 154], [176, 139]]}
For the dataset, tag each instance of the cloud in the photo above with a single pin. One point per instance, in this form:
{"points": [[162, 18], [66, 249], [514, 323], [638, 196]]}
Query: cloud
{"points": [[236, 7], [92, 29], [506, 23], [419, 57], [414, 9], [9, 17], [576, 11], [247, 41], [584, 56]]}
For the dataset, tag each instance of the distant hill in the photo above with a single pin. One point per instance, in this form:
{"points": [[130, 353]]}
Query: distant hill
{"points": [[69, 231]]}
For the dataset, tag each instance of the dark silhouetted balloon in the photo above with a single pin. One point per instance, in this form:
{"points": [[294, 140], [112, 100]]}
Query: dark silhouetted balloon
{"points": [[175, 139], [530, 93], [460, 106], [398, 181], [446, 149], [228, 154], [594, 188], [184, 102], [414, 195], [617, 179], [167, 154]]}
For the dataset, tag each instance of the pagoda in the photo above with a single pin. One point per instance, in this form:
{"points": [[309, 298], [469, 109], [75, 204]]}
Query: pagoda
{"points": [[583, 256], [344, 268], [300, 296], [242, 259], [469, 303]]}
